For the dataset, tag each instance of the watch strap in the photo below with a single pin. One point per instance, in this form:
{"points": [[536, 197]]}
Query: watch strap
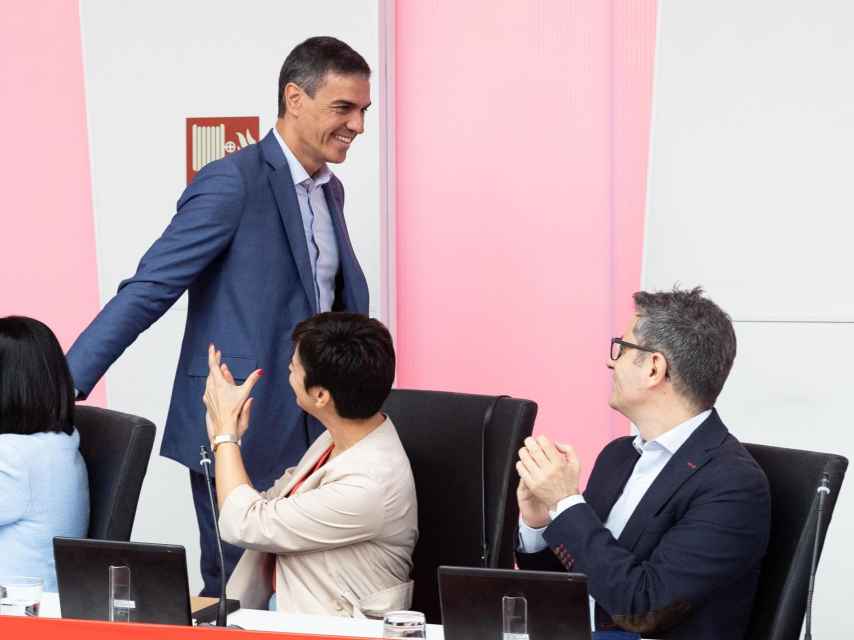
{"points": [[223, 439]]}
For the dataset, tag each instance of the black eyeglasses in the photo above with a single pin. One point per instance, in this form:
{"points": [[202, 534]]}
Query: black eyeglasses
{"points": [[618, 345]]}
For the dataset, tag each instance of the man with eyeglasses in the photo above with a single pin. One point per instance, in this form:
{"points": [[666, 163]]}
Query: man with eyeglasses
{"points": [[674, 522]]}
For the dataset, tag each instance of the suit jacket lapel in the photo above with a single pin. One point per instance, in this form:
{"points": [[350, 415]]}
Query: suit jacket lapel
{"points": [[346, 255], [603, 496], [286, 198], [689, 459]]}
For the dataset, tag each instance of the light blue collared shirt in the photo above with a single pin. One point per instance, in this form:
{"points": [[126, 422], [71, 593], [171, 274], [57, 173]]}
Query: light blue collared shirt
{"points": [[317, 224]]}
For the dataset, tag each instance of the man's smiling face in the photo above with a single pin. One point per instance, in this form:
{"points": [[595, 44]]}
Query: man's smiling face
{"points": [[326, 125]]}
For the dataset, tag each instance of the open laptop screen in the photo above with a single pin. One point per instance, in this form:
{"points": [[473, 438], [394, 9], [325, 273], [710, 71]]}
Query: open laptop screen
{"points": [[545, 605], [159, 591]]}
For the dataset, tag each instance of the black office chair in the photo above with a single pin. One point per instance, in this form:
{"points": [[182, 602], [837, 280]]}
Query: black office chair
{"points": [[116, 447], [794, 477], [442, 434]]}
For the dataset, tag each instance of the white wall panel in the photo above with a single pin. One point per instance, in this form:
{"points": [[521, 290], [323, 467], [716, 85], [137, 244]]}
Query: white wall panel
{"points": [[791, 387], [750, 168], [148, 66], [749, 195]]}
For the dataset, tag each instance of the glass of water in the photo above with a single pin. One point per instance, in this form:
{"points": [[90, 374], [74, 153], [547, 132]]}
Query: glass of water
{"points": [[404, 624], [23, 596]]}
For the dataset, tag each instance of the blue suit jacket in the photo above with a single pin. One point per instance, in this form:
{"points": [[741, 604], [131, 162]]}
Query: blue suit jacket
{"points": [[687, 563], [237, 245]]}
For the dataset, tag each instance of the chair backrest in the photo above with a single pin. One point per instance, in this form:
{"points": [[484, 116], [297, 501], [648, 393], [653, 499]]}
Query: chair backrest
{"points": [[442, 434], [116, 447], [793, 476]]}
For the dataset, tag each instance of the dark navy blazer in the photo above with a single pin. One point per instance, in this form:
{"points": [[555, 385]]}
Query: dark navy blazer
{"points": [[687, 563], [237, 245]]}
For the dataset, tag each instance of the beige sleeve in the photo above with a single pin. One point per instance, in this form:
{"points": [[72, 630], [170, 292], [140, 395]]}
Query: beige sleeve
{"points": [[339, 513], [278, 485]]}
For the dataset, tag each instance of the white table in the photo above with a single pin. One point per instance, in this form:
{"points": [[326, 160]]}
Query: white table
{"points": [[254, 620]]}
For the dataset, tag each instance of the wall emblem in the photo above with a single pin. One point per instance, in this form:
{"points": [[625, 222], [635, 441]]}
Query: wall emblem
{"points": [[210, 139]]}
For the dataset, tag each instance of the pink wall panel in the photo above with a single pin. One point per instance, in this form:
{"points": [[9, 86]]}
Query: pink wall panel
{"points": [[47, 263], [506, 209], [633, 48]]}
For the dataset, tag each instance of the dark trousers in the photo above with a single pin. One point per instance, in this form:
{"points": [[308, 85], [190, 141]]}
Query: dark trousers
{"points": [[207, 538]]}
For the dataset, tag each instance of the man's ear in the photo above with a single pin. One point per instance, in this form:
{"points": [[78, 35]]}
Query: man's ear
{"points": [[293, 98], [656, 369]]}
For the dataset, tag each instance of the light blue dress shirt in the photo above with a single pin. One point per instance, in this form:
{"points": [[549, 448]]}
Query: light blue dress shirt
{"points": [[317, 223], [44, 492]]}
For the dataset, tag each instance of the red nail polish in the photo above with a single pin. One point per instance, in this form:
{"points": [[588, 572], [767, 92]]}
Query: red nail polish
{"points": [[260, 372]]}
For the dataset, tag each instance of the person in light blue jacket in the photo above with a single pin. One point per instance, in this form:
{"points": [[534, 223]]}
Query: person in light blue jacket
{"points": [[44, 487]]}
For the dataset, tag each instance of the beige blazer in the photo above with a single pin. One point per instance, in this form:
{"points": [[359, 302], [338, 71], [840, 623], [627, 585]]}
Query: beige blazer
{"points": [[342, 544]]}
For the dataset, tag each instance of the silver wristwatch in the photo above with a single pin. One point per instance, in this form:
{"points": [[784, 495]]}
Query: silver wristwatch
{"points": [[222, 439]]}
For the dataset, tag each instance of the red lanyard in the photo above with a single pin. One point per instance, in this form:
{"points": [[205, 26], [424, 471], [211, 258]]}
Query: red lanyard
{"points": [[320, 462]]}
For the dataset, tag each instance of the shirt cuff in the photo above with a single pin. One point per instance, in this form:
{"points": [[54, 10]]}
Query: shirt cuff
{"points": [[566, 503], [531, 540]]}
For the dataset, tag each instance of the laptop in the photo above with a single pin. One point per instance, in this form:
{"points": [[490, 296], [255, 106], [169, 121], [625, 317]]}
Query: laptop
{"points": [[159, 590], [545, 605]]}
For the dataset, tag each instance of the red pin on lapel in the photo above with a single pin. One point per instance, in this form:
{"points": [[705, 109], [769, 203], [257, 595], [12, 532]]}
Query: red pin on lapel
{"points": [[692, 465]]}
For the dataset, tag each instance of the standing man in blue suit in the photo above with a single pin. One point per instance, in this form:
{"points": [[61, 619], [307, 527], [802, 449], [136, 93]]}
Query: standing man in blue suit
{"points": [[673, 525], [260, 243]]}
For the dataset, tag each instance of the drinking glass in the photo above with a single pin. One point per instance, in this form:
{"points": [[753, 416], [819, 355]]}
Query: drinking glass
{"points": [[23, 596], [119, 604], [514, 617], [404, 624]]}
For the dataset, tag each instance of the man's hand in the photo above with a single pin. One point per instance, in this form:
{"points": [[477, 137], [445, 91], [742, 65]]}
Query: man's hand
{"points": [[534, 513], [228, 404], [549, 471]]}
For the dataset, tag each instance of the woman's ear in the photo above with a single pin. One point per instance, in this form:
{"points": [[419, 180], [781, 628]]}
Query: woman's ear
{"points": [[321, 396]]}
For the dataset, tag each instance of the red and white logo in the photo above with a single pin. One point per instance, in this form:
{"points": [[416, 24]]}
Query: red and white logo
{"points": [[210, 139]]}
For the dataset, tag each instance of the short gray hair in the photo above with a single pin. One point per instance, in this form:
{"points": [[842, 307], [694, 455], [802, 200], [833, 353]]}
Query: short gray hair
{"points": [[696, 337]]}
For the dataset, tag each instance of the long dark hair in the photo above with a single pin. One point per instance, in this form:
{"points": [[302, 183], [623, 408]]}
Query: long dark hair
{"points": [[36, 389]]}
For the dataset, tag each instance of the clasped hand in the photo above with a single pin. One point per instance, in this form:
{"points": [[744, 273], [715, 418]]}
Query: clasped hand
{"points": [[228, 404], [548, 473]]}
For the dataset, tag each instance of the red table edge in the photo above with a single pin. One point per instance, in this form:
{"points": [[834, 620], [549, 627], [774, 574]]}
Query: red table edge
{"points": [[51, 628]]}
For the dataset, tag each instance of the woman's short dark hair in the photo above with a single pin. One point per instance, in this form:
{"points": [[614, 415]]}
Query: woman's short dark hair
{"points": [[350, 355], [36, 389], [307, 65]]}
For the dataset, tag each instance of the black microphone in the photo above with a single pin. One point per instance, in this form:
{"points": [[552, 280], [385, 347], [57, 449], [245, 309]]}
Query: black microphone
{"points": [[823, 490], [222, 611]]}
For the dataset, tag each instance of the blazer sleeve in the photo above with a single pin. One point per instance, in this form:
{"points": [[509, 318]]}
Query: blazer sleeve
{"points": [[279, 485], [207, 217], [722, 534], [14, 485], [543, 560], [342, 512]]}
